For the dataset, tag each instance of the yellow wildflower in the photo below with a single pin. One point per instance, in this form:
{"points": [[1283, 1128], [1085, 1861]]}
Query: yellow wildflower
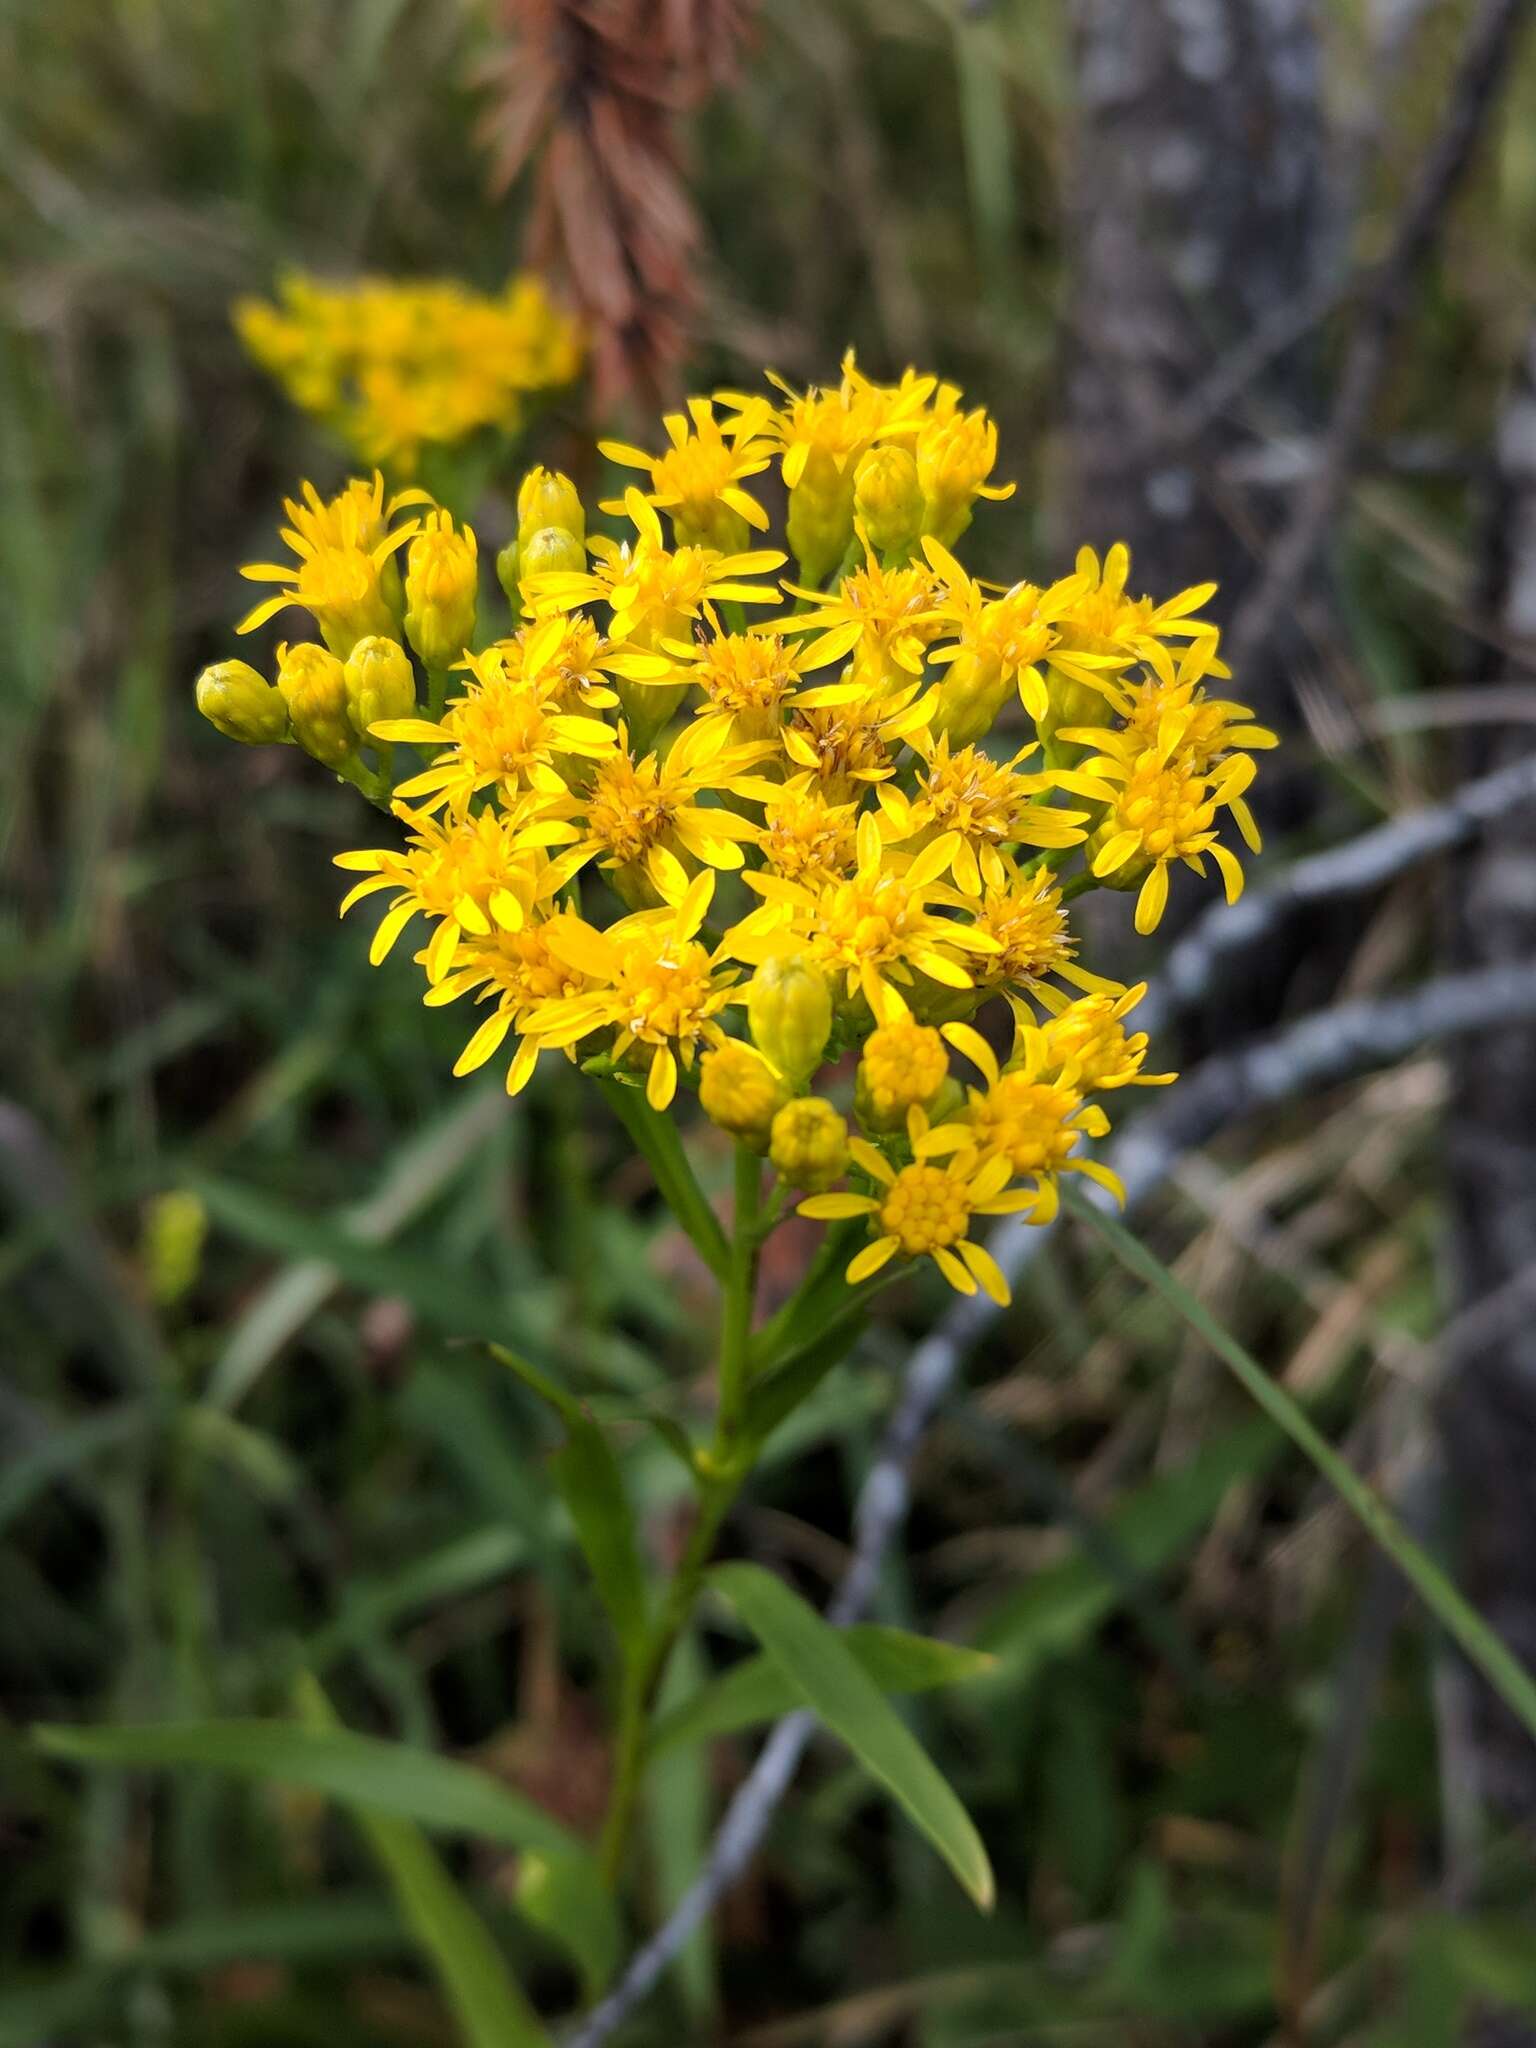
{"points": [[473, 874], [516, 971], [1163, 811], [1088, 1045], [986, 805], [804, 837], [903, 1065], [343, 574], [926, 1209], [650, 982], [698, 480]]}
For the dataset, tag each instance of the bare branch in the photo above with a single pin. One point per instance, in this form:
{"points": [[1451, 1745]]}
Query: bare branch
{"points": [[1195, 963], [1317, 1052]]}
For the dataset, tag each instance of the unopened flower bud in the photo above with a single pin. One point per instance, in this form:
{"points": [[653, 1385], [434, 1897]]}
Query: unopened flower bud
{"points": [[508, 570], [820, 520], [740, 1092], [967, 702], [314, 684], [789, 1013], [904, 1066], [242, 704], [175, 1230], [440, 591], [547, 498], [809, 1143], [551, 547], [888, 499], [380, 683]]}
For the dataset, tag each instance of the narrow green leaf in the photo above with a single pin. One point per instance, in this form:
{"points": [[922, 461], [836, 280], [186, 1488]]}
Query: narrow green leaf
{"points": [[440, 1296], [66, 1448], [361, 1770], [592, 1487], [834, 1684], [1503, 1670], [656, 1137], [800, 1371], [555, 1894], [757, 1690], [484, 1995]]}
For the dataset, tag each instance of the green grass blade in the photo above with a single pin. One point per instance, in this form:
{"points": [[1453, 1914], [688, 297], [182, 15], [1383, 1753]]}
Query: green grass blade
{"points": [[484, 1995], [835, 1686], [1504, 1672]]}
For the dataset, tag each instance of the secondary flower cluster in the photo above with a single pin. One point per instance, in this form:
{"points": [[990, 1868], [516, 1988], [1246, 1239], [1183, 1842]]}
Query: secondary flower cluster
{"points": [[687, 820], [396, 366]]}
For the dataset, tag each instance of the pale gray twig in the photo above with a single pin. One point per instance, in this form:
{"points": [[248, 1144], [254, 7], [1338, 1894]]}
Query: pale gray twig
{"points": [[1315, 1053]]}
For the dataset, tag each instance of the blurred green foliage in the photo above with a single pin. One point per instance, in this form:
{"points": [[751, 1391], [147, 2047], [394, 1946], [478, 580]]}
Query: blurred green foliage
{"points": [[288, 1463]]}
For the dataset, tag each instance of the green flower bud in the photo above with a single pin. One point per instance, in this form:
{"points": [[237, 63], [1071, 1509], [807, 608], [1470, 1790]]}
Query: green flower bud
{"points": [[380, 683], [175, 1229], [888, 499], [551, 547], [740, 1092], [809, 1144], [508, 571], [820, 520], [546, 498], [440, 590], [243, 705], [314, 685], [789, 1012]]}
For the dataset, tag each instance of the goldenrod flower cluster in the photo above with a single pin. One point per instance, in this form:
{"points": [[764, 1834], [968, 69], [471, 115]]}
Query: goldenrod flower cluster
{"points": [[694, 820], [397, 366]]}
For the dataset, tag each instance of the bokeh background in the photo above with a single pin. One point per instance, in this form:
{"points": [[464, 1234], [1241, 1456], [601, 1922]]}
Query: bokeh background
{"points": [[1236, 1791]]}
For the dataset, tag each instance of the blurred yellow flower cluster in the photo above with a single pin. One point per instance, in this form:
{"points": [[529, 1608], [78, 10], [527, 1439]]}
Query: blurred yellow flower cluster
{"points": [[692, 819], [396, 366]]}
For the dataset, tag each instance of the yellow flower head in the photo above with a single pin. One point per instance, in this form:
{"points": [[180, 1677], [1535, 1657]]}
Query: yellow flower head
{"points": [[505, 733], [343, 574], [1002, 642], [645, 819], [874, 931], [749, 680], [804, 837], [655, 592], [926, 1210], [848, 734], [395, 367], [1030, 1118], [1088, 1045], [1102, 621], [1163, 811], [650, 982], [516, 971], [890, 615], [699, 478], [474, 875], [986, 805]]}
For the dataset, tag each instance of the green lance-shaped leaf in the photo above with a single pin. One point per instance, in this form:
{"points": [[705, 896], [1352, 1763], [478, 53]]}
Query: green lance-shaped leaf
{"points": [[389, 1778], [484, 1995], [831, 1681], [592, 1487], [1503, 1670], [758, 1689]]}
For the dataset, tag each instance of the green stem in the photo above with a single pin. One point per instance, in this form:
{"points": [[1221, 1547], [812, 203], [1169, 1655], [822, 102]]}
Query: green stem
{"points": [[437, 692], [724, 1468]]}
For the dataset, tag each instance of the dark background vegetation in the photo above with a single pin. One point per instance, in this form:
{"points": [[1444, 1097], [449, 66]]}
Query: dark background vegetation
{"points": [[1235, 1791]]}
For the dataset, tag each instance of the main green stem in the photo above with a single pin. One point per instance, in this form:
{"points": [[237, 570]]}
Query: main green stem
{"points": [[725, 1467]]}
